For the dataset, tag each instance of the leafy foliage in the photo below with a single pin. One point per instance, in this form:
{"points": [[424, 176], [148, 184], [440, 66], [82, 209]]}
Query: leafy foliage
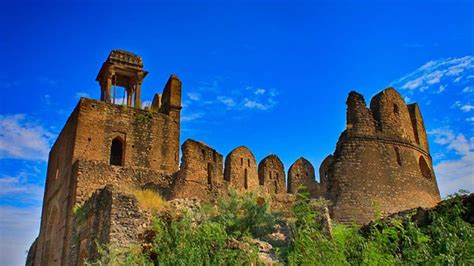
{"points": [[220, 235]]}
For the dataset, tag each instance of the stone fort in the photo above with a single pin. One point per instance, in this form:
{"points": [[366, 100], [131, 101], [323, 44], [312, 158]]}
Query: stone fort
{"points": [[381, 161]]}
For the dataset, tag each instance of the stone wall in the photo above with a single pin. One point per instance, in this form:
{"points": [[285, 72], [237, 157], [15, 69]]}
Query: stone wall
{"points": [[56, 200], [271, 174], [92, 175], [149, 139], [301, 172], [241, 169], [108, 217], [201, 172], [383, 167]]}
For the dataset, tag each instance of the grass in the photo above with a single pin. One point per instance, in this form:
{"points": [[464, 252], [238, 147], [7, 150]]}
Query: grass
{"points": [[149, 199]]}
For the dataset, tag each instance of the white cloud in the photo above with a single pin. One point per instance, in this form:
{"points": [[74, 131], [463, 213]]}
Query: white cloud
{"points": [[455, 173], [467, 108], [191, 117], [194, 96], [23, 139], [406, 99], [434, 72], [468, 89], [82, 94], [254, 105], [229, 102], [259, 91], [470, 119], [12, 186], [48, 81], [18, 229], [441, 89]]}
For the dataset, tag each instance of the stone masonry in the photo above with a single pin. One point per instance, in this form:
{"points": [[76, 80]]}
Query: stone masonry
{"points": [[381, 162]]}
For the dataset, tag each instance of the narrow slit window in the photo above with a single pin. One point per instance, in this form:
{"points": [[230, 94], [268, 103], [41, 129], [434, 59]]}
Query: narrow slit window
{"points": [[209, 174], [246, 184], [397, 154]]}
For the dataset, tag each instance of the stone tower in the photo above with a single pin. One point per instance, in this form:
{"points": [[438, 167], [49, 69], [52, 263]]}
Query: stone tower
{"points": [[104, 143], [382, 161]]}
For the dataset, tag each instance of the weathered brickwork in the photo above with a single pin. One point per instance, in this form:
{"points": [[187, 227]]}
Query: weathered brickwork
{"points": [[241, 169], [381, 162], [385, 165], [109, 216], [302, 173], [201, 173], [271, 174]]}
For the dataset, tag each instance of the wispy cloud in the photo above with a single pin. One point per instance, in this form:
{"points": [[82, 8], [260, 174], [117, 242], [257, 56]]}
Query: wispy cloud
{"points": [[254, 105], [194, 96], [191, 117], [21, 138], [259, 91], [218, 94], [468, 89], [467, 108], [81, 94], [435, 71], [456, 172], [229, 102], [48, 81], [18, 229]]}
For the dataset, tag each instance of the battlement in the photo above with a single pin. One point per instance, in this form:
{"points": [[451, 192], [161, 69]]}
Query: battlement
{"points": [[388, 117]]}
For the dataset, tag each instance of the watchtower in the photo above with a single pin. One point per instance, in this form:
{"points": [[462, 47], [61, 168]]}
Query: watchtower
{"points": [[124, 69]]}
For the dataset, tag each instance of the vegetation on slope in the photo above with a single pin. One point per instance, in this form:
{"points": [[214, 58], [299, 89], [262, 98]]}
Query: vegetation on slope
{"points": [[222, 235]]}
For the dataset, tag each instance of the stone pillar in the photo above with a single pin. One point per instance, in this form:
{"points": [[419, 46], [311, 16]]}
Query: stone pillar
{"points": [[129, 96], [138, 102], [108, 86]]}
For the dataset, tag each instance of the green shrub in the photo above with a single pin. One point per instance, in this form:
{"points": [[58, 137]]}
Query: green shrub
{"points": [[220, 235]]}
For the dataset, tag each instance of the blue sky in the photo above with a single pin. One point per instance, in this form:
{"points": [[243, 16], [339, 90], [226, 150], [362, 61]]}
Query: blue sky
{"points": [[273, 76]]}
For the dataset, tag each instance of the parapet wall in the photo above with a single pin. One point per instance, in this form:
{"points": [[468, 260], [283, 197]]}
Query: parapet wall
{"points": [[202, 174]]}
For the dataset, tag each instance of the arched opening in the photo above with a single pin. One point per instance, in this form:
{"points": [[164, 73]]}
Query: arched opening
{"points": [[424, 168], [116, 151]]}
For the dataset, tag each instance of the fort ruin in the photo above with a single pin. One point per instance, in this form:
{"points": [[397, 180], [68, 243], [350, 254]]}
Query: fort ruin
{"points": [[382, 159]]}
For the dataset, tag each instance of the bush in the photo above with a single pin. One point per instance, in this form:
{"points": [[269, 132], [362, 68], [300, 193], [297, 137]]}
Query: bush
{"points": [[221, 234]]}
